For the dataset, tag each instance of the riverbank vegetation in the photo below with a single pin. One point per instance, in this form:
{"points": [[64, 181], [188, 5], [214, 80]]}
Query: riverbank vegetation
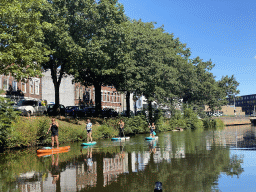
{"points": [[32, 131]]}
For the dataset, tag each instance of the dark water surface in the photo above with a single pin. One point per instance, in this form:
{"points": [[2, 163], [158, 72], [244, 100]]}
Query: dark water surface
{"points": [[183, 161]]}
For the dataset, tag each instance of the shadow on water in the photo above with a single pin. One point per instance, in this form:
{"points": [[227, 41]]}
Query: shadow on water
{"points": [[181, 161]]}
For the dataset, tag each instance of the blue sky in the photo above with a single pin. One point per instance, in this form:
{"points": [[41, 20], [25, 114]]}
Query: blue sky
{"points": [[221, 30]]}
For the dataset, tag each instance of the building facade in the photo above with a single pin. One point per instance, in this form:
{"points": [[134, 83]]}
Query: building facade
{"points": [[70, 93], [246, 102], [16, 90]]}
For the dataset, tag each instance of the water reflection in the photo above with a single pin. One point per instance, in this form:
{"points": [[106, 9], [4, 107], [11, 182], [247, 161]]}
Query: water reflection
{"points": [[182, 161], [86, 175]]}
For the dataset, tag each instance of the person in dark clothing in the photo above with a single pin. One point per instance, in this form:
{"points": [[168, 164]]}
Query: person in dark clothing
{"points": [[54, 127], [121, 128]]}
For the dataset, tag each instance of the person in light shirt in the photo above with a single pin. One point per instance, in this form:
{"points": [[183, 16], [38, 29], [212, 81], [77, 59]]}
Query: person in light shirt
{"points": [[89, 130]]}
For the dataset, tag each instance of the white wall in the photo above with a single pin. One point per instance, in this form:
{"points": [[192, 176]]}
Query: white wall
{"points": [[67, 90]]}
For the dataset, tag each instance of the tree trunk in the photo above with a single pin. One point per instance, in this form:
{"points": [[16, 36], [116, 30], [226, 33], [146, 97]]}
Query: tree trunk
{"points": [[97, 87], [128, 103], [56, 82], [57, 93]]}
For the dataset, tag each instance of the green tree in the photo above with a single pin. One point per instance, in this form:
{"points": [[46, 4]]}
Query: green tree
{"points": [[229, 86], [101, 39], [156, 55], [61, 38], [21, 36], [199, 86]]}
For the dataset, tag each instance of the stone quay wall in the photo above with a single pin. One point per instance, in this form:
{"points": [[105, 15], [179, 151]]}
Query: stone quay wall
{"points": [[237, 120]]}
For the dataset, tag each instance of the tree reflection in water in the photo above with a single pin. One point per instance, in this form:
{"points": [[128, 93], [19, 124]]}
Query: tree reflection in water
{"points": [[181, 161]]}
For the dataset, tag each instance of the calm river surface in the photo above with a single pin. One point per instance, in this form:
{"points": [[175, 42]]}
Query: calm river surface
{"points": [[183, 161]]}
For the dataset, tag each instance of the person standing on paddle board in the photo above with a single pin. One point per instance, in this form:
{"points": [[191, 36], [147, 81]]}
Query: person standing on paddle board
{"points": [[152, 129], [89, 130], [54, 127], [121, 127]]}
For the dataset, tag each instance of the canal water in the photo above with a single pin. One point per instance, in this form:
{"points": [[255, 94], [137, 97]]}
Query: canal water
{"points": [[183, 161]]}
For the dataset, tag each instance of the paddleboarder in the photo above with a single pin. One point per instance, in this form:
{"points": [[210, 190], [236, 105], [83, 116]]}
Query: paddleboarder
{"points": [[89, 130], [152, 129], [121, 128], [54, 127]]}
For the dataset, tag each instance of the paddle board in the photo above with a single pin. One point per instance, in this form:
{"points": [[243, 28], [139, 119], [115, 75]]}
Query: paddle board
{"points": [[151, 138], [89, 143], [52, 150], [51, 153], [120, 138]]}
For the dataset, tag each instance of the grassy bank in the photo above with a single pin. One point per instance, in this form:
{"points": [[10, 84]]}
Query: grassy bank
{"points": [[32, 131]]}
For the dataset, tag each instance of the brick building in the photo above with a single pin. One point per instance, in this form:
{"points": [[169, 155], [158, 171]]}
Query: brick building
{"points": [[17, 90], [70, 93]]}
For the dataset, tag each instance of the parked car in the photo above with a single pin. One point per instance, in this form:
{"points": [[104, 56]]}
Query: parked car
{"points": [[124, 113], [30, 107], [85, 112], [71, 110], [108, 112], [61, 110]]}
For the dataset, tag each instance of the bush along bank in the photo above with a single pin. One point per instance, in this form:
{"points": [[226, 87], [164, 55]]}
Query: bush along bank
{"points": [[31, 131]]}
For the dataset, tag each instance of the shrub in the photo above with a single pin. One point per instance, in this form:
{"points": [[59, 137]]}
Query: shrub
{"points": [[104, 131], [162, 124], [136, 124], [7, 116], [177, 120], [191, 118], [215, 124]]}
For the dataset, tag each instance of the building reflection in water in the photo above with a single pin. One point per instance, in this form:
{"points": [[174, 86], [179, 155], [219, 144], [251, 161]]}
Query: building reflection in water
{"points": [[66, 181], [30, 181], [86, 175], [242, 136]]}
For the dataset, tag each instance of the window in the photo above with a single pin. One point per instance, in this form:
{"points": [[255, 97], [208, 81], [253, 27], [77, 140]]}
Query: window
{"points": [[101, 96], [14, 85], [77, 92], [1, 82], [81, 93], [115, 98], [5, 85], [23, 87], [105, 96], [108, 96], [37, 87], [31, 86]]}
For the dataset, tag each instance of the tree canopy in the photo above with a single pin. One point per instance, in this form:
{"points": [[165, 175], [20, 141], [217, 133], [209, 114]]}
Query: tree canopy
{"points": [[21, 36], [62, 37], [101, 38], [96, 43]]}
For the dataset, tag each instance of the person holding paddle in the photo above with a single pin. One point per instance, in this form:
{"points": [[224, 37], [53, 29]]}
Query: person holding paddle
{"points": [[54, 126], [152, 129], [89, 130], [121, 128]]}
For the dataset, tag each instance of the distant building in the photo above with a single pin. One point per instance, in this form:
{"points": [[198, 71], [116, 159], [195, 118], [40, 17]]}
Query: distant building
{"points": [[246, 102], [225, 110]]}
